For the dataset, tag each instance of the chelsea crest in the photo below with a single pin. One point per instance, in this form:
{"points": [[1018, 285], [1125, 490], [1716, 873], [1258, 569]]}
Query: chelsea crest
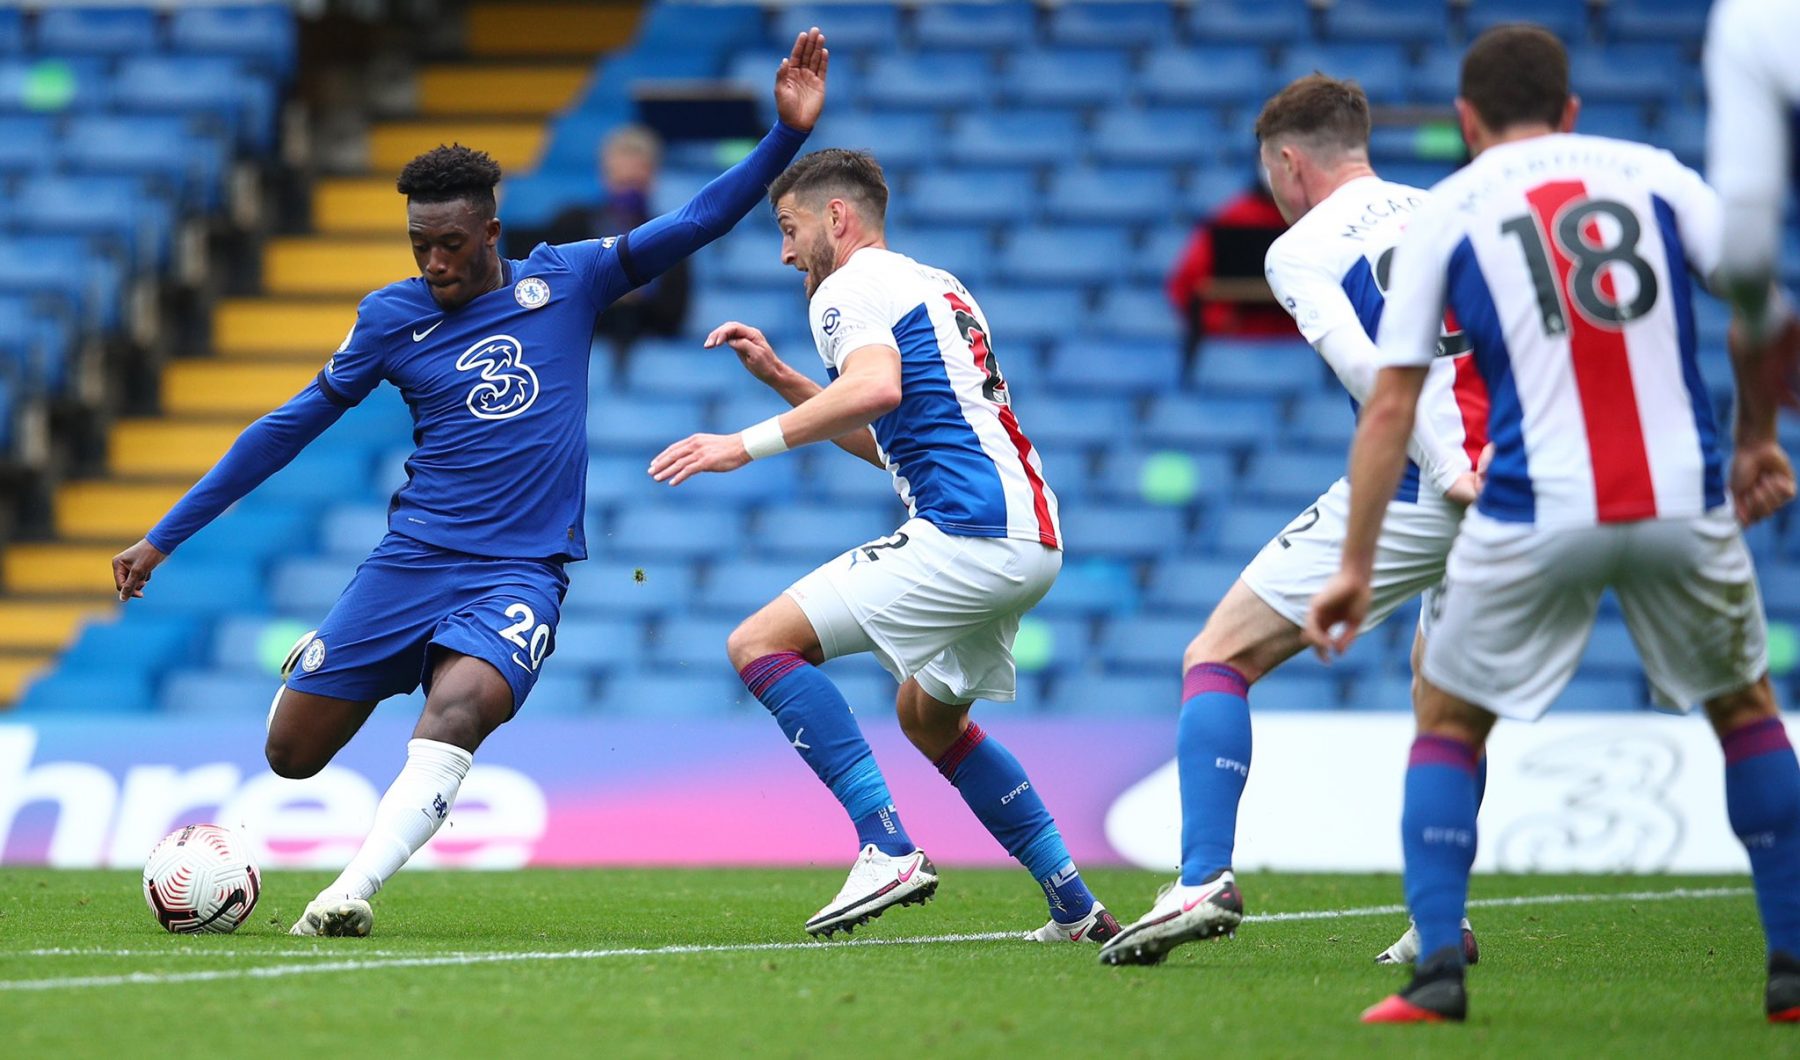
{"points": [[531, 292]]}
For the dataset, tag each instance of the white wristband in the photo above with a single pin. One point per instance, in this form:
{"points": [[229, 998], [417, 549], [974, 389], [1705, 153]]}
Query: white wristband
{"points": [[764, 439]]}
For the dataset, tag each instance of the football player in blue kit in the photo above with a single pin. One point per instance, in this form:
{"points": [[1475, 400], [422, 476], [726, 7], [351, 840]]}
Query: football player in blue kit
{"points": [[464, 592]]}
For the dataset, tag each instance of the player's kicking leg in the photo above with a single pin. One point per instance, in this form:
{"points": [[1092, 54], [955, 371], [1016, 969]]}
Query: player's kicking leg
{"points": [[994, 785], [468, 700], [1762, 800], [774, 652]]}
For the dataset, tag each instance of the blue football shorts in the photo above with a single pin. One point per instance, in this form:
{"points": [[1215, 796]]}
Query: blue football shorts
{"points": [[409, 597]]}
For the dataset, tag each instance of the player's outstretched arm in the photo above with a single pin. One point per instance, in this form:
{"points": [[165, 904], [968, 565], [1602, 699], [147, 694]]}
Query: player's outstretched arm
{"points": [[868, 387], [1762, 480], [652, 247], [759, 359], [265, 447], [1377, 460]]}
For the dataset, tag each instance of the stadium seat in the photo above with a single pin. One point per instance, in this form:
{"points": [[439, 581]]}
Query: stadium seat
{"points": [[1586, 694], [72, 30], [65, 693], [1167, 476], [1372, 21], [1674, 21], [639, 425], [1616, 74], [869, 27], [1159, 136], [1217, 75], [671, 696], [1125, 24], [1115, 365], [597, 645], [28, 143], [1089, 586], [1013, 138], [1114, 695], [258, 530], [1125, 533], [1089, 78], [669, 531], [214, 87], [967, 253], [353, 530], [72, 83], [216, 695], [1258, 368], [1025, 315], [561, 694], [1610, 652], [1211, 424], [1379, 68], [1064, 256], [1109, 196], [12, 30], [693, 647], [1283, 690], [1568, 20], [1192, 586], [1147, 645], [813, 533], [899, 81], [1271, 22], [1052, 645], [1292, 478], [136, 642], [956, 197], [620, 588], [1323, 422], [263, 33], [1078, 422], [737, 588], [988, 27], [307, 587], [1245, 527]]}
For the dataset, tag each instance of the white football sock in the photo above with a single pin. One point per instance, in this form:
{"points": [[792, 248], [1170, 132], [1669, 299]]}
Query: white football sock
{"points": [[415, 805]]}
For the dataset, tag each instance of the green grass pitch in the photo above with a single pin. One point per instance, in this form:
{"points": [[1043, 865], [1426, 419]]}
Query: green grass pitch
{"points": [[546, 963]]}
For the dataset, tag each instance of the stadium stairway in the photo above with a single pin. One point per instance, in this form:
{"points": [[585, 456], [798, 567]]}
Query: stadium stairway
{"points": [[524, 61]]}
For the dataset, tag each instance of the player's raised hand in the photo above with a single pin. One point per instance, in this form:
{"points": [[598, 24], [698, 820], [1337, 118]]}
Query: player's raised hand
{"points": [[1336, 614], [752, 348], [697, 453], [800, 82], [1762, 481], [132, 567]]}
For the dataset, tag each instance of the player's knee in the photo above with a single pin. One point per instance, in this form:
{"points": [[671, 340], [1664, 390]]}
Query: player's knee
{"points": [[462, 722], [1211, 647], [748, 643], [1749, 704], [289, 762]]}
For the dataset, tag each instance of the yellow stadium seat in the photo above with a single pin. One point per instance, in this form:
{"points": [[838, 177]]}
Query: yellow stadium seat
{"points": [[113, 511], [550, 28], [359, 206], [337, 266], [233, 387], [527, 91], [65, 569], [514, 144], [283, 327], [166, 448], [37, 625], [17, 671]]}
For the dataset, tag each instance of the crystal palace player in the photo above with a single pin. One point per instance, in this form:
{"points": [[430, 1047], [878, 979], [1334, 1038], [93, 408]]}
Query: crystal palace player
{"points": [[915, 391], [1329, 269], [464, 592], [1566, 259]]}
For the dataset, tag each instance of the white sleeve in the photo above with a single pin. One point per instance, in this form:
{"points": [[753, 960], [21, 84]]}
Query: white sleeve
{"points": [[849, 312], [1698, 217], [1309, 291], [1746, 139], [1413, 318]]}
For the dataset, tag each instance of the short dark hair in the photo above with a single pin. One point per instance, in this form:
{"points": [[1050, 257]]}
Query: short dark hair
{"points": [[1325, 110], [836, 173], [1516, 74], [451, 173]]}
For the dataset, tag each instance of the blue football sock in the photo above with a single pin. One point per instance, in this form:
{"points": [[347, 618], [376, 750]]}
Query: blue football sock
{"points": [[1762, 799], [1212, 754], [1481, 782], [1437, 833], [816, 720], [994, 785]]}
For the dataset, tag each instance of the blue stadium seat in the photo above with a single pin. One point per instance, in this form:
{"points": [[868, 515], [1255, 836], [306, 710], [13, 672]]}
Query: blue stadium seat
{"points": [[211, 694], [751, 260], [774, 311], [115, 207], [208, 586], [262, 33], [1213, 424], [678, 369], [1146, 644], [1103, 365], [624, 587], [1029, 315], [764, 480], [901, 81], [670, 531], [1616, 74], [1568, 20], [813, 533], [328, 470], [1273, 22], [561, 695], [871, 27], [989, 27], [71, 30], [593, 646], [1216, 75], [1245, 527], [136, 642], [1110, 196], [1161, 136], [1192, 586], [1372, 21], [1259, 368], [534, 199], [671, 696], [1684, 133], [1065, 256], [212, 86], [1324, 422], [1089, 586], [959, 197], [1379, 68], [1674, 21], [1610, 652], [353, 530], [620, 424], [1117, 24], [1065, 643], [1066, 78], [1292, 478], [1125, 533], [62, 693], [75, 83], [1586, 694], [692, 647], [1283, 690], [257, 530], [1138, 474], [253, 645], [1622, 121], [1104, 695], [28, 143], [162, 145], [1079, 422], [899, 140], [670, 28], [1014, 138], [968, 253], [306, 587], [1162, 249], [837, 477], [12, 30], [737, 588], [1437, 77], [1136, 314]]}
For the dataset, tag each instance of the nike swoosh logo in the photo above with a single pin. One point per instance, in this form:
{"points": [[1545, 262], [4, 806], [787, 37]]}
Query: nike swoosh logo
{"points": [[521, 662], [1188, 907], [910, 869], [1075, 936], [417, 335]]}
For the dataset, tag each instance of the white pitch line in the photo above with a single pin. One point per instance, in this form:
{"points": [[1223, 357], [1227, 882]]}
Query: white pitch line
{"points": [[313, 967]]}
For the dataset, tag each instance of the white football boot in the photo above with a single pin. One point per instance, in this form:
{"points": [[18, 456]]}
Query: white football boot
{"points": [[877, 883], [1098, 926], [338, 917], [1406, 950], [1181, 914]]}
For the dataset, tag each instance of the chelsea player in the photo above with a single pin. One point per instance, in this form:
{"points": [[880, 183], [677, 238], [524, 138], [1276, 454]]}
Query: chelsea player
{"points": [[464, 592]]}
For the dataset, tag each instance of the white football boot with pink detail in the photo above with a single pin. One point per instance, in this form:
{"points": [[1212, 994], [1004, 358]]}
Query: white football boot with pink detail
{"points": [[1181, 914], [877, 883]]}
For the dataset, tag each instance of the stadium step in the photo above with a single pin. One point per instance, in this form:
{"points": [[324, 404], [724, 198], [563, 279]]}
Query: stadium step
{"points": [[320, 265], [210, 388], [113, 510], [283, 328], [534, 29], [534, 91], [514, 144], [19, 669], [169, 448], [359, 206], [44, 625], [61, 568]]}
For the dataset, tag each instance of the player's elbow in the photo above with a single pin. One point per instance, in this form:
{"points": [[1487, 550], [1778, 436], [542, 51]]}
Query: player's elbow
{"points": [[880, 397]]}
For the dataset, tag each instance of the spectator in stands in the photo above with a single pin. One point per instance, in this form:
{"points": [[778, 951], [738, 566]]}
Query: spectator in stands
{"points": [[629, 159], [1216, 286]]}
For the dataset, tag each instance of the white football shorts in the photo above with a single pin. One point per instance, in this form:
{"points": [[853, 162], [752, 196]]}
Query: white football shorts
{"points": [[932, 606], [1409, 556], [1519, 605]]}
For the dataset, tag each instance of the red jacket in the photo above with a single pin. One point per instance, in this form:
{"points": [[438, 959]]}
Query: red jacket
{"points": [[1253, 208]]}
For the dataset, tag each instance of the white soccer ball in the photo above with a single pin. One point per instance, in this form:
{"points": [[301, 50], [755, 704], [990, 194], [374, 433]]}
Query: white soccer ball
{"points": [[201, 878]]}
